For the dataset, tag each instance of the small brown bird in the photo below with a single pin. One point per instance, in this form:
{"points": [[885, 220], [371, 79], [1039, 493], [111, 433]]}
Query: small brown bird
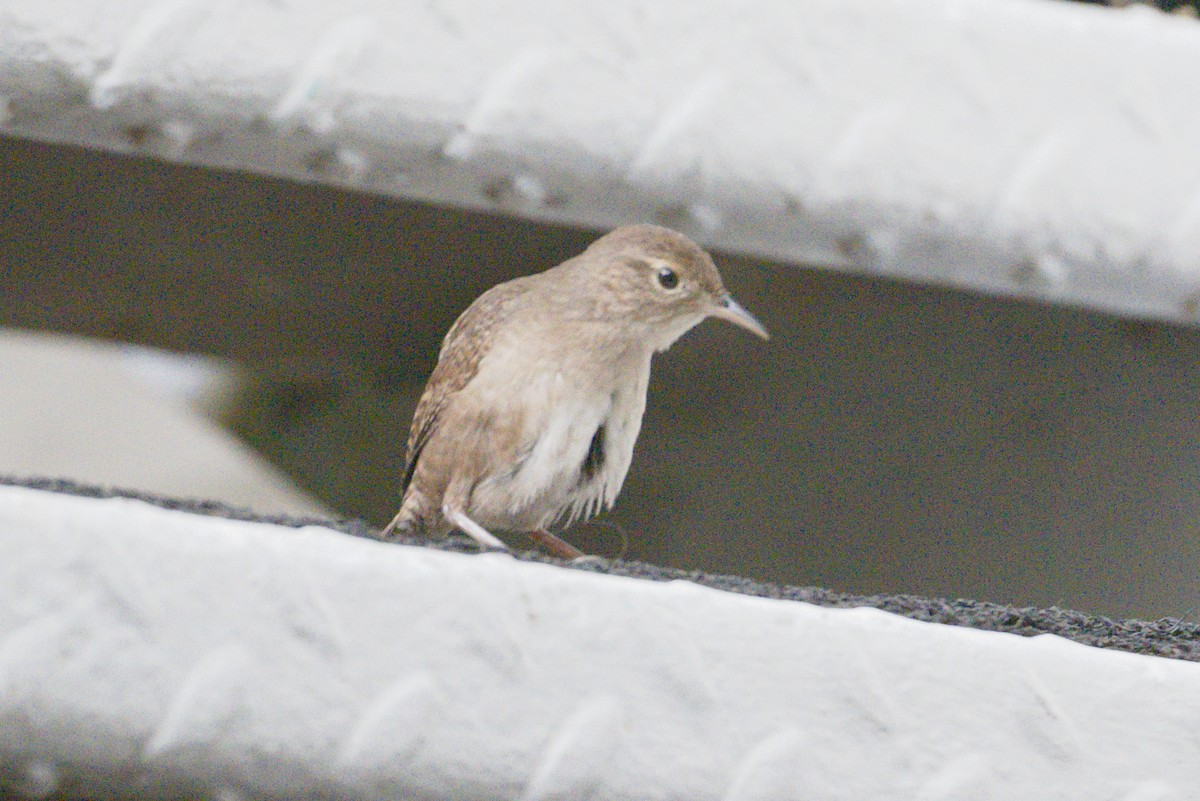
{"points": [[532, 411]]}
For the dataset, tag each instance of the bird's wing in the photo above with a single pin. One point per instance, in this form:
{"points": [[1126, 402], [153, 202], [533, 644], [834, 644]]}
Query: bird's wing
{"points": [[465, 345]]}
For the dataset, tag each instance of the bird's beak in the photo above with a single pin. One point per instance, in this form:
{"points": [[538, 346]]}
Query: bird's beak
{"points": [[732, 311]]}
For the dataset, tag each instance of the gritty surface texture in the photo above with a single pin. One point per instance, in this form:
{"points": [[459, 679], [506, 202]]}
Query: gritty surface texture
{"points": [[1167, 637]]}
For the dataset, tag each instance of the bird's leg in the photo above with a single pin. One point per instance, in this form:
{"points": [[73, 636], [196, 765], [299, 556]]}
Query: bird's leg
{"points": [[555, 545], [466, 525]]}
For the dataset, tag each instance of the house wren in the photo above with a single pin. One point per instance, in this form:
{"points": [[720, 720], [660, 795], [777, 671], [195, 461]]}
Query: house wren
{"points": [[531, 414]]}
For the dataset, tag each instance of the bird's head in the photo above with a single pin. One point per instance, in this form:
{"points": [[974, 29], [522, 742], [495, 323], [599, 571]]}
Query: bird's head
{"points": [[660, 279]]}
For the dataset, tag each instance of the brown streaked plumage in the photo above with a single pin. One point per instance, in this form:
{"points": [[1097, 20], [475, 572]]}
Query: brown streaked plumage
{"points": [[532, 411]]}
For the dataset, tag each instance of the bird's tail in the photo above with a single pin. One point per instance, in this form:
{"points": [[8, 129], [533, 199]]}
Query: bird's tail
{"points": [[413, 519]]}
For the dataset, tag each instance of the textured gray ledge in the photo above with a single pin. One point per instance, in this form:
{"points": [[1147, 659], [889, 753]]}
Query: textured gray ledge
{"points": [[1167, 637]]}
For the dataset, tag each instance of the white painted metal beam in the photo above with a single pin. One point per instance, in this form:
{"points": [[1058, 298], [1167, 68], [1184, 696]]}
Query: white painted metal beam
{"points": [[149, 652], [1019, 146]]}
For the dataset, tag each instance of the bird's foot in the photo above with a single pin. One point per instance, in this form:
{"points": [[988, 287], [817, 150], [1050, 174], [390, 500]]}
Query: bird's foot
{"points": [[555, 545], [467, 526]]}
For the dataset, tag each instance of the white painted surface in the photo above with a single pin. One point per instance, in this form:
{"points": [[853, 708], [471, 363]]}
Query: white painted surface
{"points": [[1028, 147], [262, 661], [113, 416]]}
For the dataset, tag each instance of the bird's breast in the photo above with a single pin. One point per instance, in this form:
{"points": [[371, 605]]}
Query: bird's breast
{"points": [[579, 427]]}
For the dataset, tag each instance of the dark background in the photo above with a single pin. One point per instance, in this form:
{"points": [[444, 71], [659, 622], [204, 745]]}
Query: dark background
{"points": [[889, 437]]}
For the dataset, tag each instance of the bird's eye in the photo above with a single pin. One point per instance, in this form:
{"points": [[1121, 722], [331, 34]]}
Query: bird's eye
{"points": [[668, 278]]}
